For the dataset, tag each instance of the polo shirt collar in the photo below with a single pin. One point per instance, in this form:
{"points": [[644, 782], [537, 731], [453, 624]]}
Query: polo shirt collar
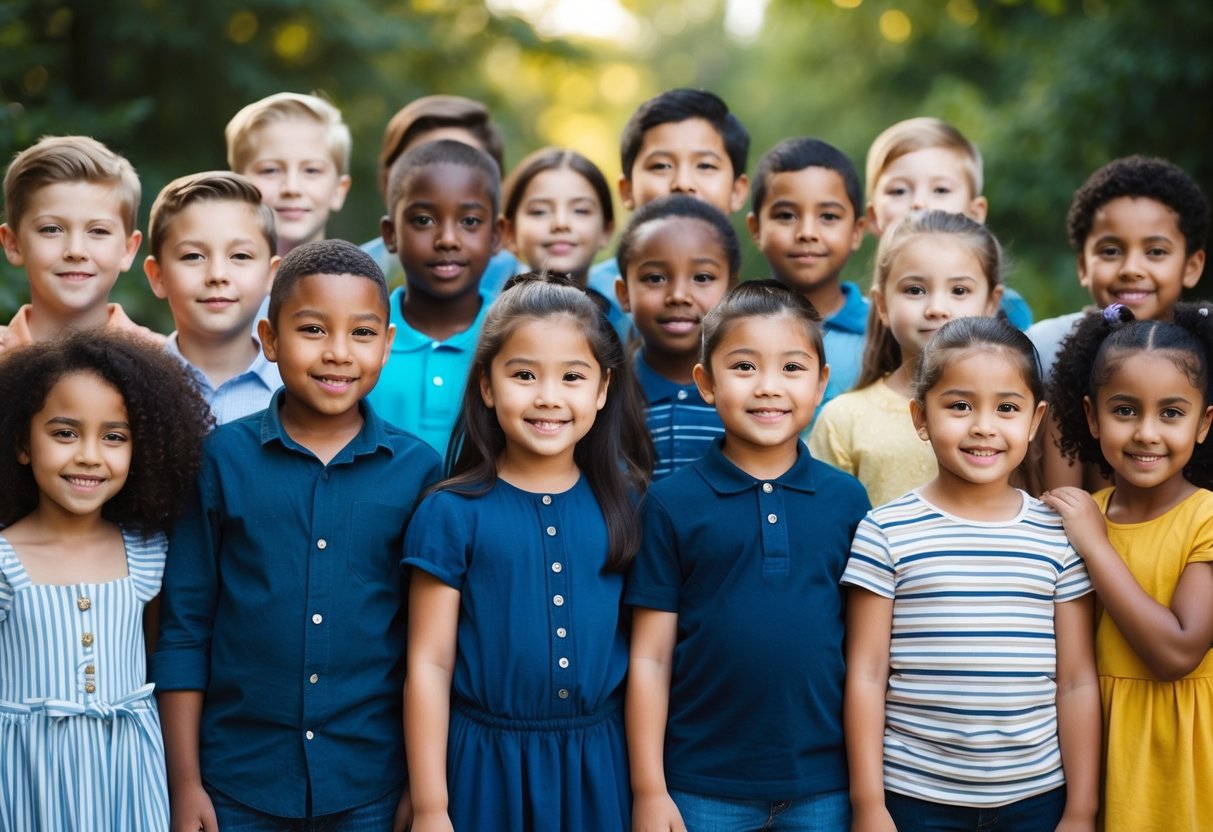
{"points": [[853, 316], [261, 367], [656, 386], [726, 478], [371, 436], [409, 339]]}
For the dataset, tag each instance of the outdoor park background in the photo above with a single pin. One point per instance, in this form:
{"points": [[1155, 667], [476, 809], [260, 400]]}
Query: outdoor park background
{"points": [[1048, 89]]}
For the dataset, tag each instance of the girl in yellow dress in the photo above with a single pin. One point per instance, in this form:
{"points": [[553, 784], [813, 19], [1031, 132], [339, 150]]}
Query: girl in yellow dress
{"points": [[1136, 397]]}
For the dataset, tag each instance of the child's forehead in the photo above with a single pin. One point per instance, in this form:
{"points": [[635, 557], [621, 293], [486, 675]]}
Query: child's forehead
{"points": [[929, 161], [688, 234], [1137, 216], [230, 217], [812, 183], [692, 135], [332, 293], [290, 134], [92, 197], [447, 180]]}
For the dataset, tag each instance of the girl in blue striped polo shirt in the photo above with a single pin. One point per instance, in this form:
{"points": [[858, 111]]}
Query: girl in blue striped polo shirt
{"points": [[971, 698]]}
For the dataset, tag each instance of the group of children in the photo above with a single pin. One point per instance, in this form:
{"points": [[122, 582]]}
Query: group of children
{"points": [[620, 601]]}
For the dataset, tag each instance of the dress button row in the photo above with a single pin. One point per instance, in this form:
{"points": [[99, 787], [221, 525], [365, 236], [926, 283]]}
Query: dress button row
{"points": [[87, 639], [90, 688], [83, 603]]}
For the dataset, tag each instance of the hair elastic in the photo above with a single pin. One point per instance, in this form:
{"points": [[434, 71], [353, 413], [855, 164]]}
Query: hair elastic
{"points": [[1115, 314]]}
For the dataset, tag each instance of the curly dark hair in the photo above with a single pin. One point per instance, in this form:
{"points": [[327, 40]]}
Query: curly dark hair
{"points": [[322, 257], [1140, 176], [1100, 343], [168, 417]]}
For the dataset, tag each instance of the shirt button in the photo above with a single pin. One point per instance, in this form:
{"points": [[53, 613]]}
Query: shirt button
{"points": [[767, 488], [314, 678], [90, 688], [317, 618], [83, 603], [87, 639], [558, 600], [309, 735], [556, 567], [561, 632], [90, 669], [437, 381], [563, 662], [682, 395], [771, 518], [563, 693], [322, 543], [547, 499], [551, 531]]}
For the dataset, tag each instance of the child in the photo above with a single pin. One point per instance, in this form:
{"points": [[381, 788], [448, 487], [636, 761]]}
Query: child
{"points": [[930, 268], [424, 120], [71, 206], [677, 258], [971, 698], [1138, 229], [93, 475], [680, 142], [296, 150], [558, 215], [444, 227], [517, 650], [734, 701], [924, 164], [1136, 398], [212, 257], [807, 220], [281, 654]]}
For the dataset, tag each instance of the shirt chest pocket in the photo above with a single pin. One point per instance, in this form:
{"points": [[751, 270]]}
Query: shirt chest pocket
{"points": [[377, 540]]}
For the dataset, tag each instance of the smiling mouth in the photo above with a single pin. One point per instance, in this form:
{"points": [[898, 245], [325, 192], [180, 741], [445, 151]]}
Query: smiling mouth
{"points": [[336, 384], [292, 213], [768, 414], [74, 275], [447, 268], [1131, 295], [1144, 459], [679, 326], [86, 482], [547, 425], [217, 301]]}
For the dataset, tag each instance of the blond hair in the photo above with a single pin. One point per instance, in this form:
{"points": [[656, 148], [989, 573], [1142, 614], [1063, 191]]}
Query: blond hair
{"points": [[66, 159], [283, 106], [213, 185], [916, 134]]}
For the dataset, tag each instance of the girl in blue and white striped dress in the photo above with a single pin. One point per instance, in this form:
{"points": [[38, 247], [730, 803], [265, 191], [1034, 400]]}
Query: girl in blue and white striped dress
{"points": [[971, 695], [104, 441]]}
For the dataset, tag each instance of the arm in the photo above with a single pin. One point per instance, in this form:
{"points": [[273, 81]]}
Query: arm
{"points": [[433, 626], [646, 710], [1057, 470], [869, 633], [1079, 721], [1173, 640], [180, 716]]}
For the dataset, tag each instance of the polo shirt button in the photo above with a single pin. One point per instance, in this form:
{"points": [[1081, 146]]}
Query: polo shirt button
{"points": [[322, 543], [551, 531], [558, 600], [682, 395], [547, 499], [314, 678], [563, 662], [771, 518], [309, 735], [437, 381], [556, 567], [563, 693], [83, 603], [561, 632], [767, 488], [317, 618]]}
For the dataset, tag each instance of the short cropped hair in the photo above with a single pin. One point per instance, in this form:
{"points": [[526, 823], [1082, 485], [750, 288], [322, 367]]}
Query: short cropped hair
{"points": [[65, 159], [679, 105], [325, 257], [281, 107], [797, 154], [433, 112], [916, 134], [679, 206], [1140, 176], [444, 152], [213, 185]]}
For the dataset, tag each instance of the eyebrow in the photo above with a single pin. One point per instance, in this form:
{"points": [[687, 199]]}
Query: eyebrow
{"points": [[76, 423], [968, 394], [784, 354], [242, 241], [1169, 400], [526, 360], [429, 205]]}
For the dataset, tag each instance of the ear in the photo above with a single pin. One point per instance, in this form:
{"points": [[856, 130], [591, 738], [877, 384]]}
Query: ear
{"points": [[751, 221], [1041, 409], [995, 301], [22, 449], [823, 380], [1083, 279], [269, 340], [873, 226], [509, 238], [1206, 420], [387, 344], [878, 303], [857, 233], [275, 262], [621, 294], [155, 277], [741, 190], [602, 389], [132, 248], [12, 246], [486, 390], [340, 192], [625, 193], [918, 415], [1193, 269], [978, 209], [703, 380], [498, 234], [1092, 419], [387, 230]]}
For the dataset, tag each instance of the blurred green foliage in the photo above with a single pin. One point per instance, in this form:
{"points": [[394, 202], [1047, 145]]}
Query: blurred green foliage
{"points": [[1049, 89]]}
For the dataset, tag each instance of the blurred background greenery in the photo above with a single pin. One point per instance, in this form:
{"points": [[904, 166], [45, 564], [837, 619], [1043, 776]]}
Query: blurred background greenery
{"points": [[1049, 89]]}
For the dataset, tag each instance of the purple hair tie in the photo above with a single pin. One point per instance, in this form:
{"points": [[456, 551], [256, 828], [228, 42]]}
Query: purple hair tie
{"points": [[1115, 314]]}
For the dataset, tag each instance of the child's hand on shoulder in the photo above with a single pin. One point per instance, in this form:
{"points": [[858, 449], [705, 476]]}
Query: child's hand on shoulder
{"points": [[1083, 521], [873, 819], [656, 813]]}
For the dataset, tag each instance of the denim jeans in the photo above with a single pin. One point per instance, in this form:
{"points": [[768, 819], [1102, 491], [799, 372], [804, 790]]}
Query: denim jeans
{"points": [[1032, 814], [373, 817], [829, 812]]}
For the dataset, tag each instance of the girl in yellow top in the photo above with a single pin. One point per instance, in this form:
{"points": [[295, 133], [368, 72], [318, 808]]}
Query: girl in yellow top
{"points": [[1136, 397], [930, 268]]}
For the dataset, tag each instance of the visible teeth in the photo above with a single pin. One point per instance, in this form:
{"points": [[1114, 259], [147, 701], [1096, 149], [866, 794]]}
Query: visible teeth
{"points": [[983, 453], [544, 424], [86, 481]]}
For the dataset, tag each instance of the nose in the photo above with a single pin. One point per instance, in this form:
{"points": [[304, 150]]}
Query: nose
{"points": [[806, 231], [562, 218], [1133, 265], [88, 452], [216, 271], [337, 348], [448, 236], [290, 181], [678, 291], [1146, 431], [937, 306], [684, 182], [918, 200], [75, 248], [547, 391]]}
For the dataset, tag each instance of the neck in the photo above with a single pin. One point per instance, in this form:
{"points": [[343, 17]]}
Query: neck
{"points": [[219, 359], [675, 367], [64, 525], [826, 298], [1130, 504], [538, 473], [321, 433], [440, 318], [899, 379], [762, 462], [44, 324], [985, 502]]}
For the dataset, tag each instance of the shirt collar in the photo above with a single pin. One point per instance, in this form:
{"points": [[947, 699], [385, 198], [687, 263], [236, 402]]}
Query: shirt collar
{"points": [[262, 367], [656, 386], [371, 436], [853, 315], [409, 339], [726, 478]]}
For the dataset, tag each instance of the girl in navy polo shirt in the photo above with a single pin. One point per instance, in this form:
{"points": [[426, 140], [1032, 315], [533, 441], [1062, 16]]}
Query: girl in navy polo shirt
{"points": [[516, 654], [734, 706]]}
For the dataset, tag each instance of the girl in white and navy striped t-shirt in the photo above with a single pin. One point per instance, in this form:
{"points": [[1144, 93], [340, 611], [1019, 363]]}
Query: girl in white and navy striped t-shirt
{"points": [[104, 440], [971, 697]]}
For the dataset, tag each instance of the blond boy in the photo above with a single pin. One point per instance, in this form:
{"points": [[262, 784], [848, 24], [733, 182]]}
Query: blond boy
{"points": [[70, 206], [925, 164], [296, 149], [212, 258]]}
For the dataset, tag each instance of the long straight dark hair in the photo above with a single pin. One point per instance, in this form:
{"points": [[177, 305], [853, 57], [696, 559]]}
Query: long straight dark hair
{"points": [[616, 455]]}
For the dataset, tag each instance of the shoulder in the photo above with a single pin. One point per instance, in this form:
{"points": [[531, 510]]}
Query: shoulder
{"points": [[837, 484]]}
